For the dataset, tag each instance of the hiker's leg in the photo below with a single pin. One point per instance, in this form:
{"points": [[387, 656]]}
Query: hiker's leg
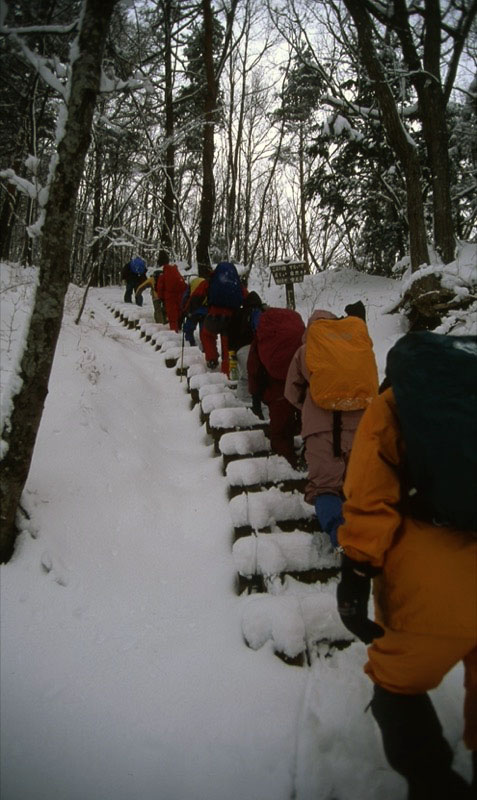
{"points": [[242, 383], [158, 315], [209, 343], [224, 346], [404, 667], [415, 746], [128, 292], [282, 429], [470, 709], [325, 471]]}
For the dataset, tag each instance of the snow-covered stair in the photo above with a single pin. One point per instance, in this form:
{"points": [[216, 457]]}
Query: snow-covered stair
{"points": [[241, 444], [271, 509], [197, 381], [227, 420], [286, 568], [263, 558], [255, 474], [301, 621]]}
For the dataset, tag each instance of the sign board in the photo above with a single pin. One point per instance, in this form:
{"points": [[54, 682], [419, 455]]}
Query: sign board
{"points": [[288, 271]]}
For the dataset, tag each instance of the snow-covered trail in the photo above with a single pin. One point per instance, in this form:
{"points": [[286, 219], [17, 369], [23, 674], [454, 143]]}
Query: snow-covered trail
{"points": [[137, 683], [152, 692]]}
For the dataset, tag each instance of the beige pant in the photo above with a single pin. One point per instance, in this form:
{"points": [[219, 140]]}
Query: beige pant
{"points": [[326, 472]]}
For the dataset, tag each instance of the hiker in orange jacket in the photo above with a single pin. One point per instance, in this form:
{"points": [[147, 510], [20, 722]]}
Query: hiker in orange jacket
{"points": [[170, 289], [425, 593]]}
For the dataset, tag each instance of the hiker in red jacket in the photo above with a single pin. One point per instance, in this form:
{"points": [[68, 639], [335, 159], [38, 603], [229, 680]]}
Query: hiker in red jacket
{"points": [[170, 288], [278, 335], [225, 293]]}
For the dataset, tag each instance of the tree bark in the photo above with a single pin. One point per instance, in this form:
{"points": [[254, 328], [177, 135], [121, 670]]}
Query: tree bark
{"points": [[207, 201], [168, 203], [403, 146], [21, 431], [426, 79]]}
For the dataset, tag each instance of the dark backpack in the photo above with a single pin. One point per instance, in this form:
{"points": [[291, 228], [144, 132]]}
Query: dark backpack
{"points": [[434, 380], [225, 289], [279, 335], [137, 266]]}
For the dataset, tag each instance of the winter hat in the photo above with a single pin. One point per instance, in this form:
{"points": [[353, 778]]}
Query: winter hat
{"points": [[253, 300], [356, 310]]}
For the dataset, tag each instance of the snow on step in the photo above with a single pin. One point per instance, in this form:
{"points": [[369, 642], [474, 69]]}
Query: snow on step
{"points": [[165, 335], [214, 388], [259, 510], [294, 622], [253, 471], [208, 378], [243, 443], [148, 328], [226, 418], [275, 553], [197, 369], [223, 399], [188, 355]]}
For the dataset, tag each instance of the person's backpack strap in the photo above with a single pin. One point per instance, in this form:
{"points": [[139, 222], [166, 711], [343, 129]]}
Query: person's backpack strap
{"points": [[434, 381]]}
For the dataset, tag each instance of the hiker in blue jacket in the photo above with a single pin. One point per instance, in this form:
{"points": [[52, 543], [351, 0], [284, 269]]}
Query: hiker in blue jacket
{"points": [[134, 273]]}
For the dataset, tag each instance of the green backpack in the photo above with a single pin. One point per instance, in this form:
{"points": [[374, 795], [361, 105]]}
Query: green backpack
{"points": [[434, 380]]}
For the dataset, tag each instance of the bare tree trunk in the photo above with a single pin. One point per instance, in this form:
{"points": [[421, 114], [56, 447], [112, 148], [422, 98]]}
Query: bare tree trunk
{"points": [[169, 195], [432, 108], [21, 432], [207, 201], [404, 148]]}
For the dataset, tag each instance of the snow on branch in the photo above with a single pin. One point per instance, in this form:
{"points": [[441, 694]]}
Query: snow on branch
{"points": [[338, 126], [111, 83], [41, 65]]}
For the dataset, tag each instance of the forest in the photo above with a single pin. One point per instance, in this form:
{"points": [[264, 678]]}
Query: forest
{"points": [[337, 133]]}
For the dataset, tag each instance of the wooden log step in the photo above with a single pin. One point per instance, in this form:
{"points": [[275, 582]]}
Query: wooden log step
{"points": [[269, 510], [253, 474], [243, 444], [263, 559], [299, 624], [219, 399], [198, 381], [226, 420]]}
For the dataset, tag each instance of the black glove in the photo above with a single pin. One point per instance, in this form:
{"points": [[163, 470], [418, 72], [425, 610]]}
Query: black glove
{"points": [[257, 406], [353, 595]]}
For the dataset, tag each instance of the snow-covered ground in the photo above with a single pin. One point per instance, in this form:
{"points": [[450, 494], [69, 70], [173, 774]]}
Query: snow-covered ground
{"points": [[124, 669]]}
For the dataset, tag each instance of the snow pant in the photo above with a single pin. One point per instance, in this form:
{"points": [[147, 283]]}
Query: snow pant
{"points": [[326, 472], [411, 664], [284, 425], [415, 746], [173, 311], [242, 381], [131, 286], [159, 313], [209, 343]]}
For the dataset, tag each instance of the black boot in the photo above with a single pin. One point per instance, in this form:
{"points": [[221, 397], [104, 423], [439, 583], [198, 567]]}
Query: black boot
{"points": [[415, 747]]}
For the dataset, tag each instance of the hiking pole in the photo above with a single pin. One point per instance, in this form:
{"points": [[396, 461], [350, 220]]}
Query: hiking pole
{"points": [[182, 354]]}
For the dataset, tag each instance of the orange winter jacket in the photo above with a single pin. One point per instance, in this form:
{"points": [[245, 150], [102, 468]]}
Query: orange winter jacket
{"points": [[428, 583]]}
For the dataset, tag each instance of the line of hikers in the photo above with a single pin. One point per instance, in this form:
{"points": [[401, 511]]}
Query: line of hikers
{"points": [[392, 475]]}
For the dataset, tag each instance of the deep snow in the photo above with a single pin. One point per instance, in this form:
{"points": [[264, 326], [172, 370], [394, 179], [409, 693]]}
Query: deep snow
{"points": [[124, 671]]}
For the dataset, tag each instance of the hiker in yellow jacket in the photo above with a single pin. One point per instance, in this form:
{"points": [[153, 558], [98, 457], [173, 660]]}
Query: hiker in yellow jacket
{"points": [[425, 592]]}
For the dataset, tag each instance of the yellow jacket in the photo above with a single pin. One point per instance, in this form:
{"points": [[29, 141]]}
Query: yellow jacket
{"points": [[429, 580]]}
